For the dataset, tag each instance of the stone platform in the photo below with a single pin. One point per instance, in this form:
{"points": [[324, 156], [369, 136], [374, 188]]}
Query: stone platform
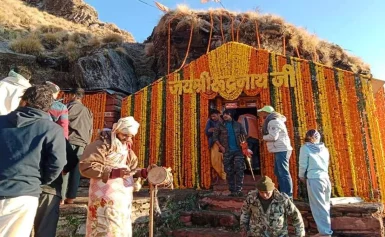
{"points": [[212, 213]]}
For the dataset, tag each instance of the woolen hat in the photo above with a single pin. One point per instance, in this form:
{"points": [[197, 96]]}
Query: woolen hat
{"points": [[265, 184], [54, 88]]}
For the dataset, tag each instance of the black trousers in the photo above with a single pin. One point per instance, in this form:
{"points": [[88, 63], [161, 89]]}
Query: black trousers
{"points": [[47, 215], [72, 179]]}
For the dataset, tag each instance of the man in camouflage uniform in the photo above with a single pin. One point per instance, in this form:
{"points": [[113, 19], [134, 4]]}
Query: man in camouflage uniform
{"points": [[227, 137], [265, 212]]}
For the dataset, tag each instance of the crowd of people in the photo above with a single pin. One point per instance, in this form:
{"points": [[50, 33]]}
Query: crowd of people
{"points": [[47, 147], [266, 209]]}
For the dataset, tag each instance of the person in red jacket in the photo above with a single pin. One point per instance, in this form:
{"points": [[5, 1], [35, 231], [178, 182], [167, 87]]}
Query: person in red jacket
{"points": [[58, 110]]}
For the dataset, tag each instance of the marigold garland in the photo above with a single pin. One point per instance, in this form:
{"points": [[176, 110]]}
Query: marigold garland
{"points": [[334, 101], [96, 102]]}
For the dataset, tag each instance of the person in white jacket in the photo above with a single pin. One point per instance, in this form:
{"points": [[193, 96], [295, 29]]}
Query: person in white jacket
{"points": [[313, 170], [278, 142], [12, 88]]}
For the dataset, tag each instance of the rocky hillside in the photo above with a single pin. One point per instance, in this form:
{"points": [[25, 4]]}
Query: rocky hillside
{"points": [[78, 12], [63, 41]]}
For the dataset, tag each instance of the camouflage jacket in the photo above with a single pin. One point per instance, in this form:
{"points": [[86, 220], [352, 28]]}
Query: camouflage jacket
{"points": [[273, 223], [220, 134]]}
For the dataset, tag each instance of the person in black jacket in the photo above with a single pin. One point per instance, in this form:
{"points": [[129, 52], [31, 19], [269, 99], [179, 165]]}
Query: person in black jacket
{"points": [[47, 215], [32, 153]]}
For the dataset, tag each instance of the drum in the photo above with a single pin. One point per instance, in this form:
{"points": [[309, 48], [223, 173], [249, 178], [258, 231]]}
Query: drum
{"points": [[160, 176]]}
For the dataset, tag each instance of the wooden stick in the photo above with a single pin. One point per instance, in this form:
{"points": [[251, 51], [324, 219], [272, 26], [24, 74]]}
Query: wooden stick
{"points": [[151, 221]]}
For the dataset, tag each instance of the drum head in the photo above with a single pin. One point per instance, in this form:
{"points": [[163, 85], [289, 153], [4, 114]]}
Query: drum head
{"points": [[157, 175]]}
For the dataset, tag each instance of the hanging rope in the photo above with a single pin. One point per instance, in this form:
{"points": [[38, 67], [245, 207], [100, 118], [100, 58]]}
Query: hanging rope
{"points": [[211, 31], [232, 26], [257, 33], [314, 55], [223, 36], [296, 49], [169, 44], [243, 19], [189, 44]]}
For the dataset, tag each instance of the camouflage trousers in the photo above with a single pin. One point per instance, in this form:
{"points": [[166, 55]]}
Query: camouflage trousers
{"points": [[234, 164]]}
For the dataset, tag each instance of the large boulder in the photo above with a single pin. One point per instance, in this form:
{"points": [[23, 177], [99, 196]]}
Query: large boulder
{"points": [[105, 68], [73, 10]]}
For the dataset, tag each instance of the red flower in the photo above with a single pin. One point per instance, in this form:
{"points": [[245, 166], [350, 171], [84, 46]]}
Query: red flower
{"points": [[92, 210]]}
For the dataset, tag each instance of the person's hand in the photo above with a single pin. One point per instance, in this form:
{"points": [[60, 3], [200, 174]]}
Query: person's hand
{"points": [[151, 167], [120, 173], [126, 173], [222, 149], [303, 180], [211, 129]]}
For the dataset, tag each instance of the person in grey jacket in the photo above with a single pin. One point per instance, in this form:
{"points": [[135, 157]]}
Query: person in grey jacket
{"points": [[80, 132], [278, 142], [313, 168]]}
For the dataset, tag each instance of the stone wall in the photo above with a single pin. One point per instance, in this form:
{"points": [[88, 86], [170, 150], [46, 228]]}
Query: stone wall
{"points": [[361, 219]]}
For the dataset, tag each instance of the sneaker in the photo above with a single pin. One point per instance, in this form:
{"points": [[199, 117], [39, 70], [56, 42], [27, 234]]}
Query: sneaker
{"points": [[239, 194]]}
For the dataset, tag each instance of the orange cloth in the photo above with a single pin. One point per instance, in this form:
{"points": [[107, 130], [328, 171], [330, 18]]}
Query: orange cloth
{"points": [[217, 161], [252, 124]]}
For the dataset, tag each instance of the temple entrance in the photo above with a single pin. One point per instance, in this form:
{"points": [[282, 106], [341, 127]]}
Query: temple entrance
{"points": [[245, 108]]}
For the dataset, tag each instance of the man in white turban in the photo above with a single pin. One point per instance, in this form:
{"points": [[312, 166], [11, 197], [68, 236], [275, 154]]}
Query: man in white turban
{"points": [[111, 165], [12, 88]]}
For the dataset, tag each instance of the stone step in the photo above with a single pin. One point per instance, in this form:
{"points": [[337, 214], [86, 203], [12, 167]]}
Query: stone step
{"points": [[204, 232], [82, 192], [84, 182], [225, 187], [210, 218], [222, 203], [248, 179]]}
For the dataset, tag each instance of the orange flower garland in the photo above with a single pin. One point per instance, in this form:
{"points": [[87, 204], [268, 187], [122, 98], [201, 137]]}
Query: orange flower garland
{"points": [[96, 102], [334, 101]]}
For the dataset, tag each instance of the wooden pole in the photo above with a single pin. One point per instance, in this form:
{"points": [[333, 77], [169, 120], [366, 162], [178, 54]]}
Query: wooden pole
{"points": [[151, 221]]}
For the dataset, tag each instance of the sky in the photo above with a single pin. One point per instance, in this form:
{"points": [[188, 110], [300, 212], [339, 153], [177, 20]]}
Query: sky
{"points": [[357, 26]]}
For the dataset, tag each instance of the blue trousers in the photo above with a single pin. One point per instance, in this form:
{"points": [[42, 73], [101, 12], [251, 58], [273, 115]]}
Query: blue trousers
{"points": [[319, 191], [72, 179], [282, 171]]}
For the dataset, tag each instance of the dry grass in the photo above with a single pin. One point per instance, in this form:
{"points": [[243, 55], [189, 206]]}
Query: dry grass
{"points": [[121, 50], [31, 31], [272, 30], [14, 14], [52, 39], [29, 45], [149, 49], [113, 38], [94, 42], [71, 50]]}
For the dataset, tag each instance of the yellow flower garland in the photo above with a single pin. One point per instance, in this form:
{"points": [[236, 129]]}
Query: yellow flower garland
{"points": [[233, 59], [299, 95], [349, 134], [221, 64], [159, 122], [327, 129], [375, 132]]}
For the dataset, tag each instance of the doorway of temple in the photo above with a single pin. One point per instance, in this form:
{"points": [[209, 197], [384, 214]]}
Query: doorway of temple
{"points": [[245, 112]]}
